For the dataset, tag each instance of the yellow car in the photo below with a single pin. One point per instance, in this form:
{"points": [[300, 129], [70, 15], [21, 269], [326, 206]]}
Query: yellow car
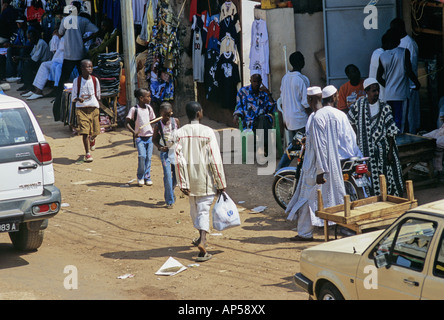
{"points": [[404, 261]]}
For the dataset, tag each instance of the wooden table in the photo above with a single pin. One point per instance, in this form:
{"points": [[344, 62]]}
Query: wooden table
{"points": [[415, 149], [367, 213]]}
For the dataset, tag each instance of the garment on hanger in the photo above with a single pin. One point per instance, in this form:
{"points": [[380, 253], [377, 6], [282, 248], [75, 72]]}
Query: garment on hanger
{"points": [[227, 44], [213, 33], [111, 8], [198, 57], [227, 76], [139, 11], [227, 9], [259, 50], [211, 84], [230, 25]]}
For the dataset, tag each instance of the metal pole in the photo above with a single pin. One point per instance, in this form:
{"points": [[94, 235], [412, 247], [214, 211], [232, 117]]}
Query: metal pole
{"points": [[129, 50]]}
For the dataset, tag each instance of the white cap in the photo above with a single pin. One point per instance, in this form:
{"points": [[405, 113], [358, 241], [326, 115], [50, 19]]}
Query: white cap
{"points": [[328, 91], [312, 91], [369, 82]]}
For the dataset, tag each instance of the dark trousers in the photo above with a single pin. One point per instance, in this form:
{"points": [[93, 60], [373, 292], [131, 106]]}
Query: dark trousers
{"points": [[265, 123], [67, 68], [30, 68]]}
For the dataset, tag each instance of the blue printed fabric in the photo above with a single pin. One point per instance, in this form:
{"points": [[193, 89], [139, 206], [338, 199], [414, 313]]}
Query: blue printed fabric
{"points": [[249, 106]]}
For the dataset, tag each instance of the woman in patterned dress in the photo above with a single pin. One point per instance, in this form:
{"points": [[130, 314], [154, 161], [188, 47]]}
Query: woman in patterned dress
{"points": [[376, 131]]}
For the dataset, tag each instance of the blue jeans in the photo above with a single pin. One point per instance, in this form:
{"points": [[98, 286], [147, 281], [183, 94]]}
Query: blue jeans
{"points": [[144, 147], [169, 178]]}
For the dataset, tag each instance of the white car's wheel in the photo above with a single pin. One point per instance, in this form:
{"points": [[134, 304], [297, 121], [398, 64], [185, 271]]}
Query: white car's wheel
{"points": [[329, 292]]}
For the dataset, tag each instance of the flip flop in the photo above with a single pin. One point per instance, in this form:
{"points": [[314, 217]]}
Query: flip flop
{"points": [[195, 242], [299, 238], [204, 258]]}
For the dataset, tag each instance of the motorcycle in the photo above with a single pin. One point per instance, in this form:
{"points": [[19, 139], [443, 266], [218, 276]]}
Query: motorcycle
{"points": [[355, 172]]}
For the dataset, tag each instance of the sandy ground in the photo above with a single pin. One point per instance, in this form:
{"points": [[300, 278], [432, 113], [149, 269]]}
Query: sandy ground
{"points": [[110, 227]]}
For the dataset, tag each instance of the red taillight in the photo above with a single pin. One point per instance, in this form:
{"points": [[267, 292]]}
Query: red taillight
{"points": [[361, 168], [43, 152]]}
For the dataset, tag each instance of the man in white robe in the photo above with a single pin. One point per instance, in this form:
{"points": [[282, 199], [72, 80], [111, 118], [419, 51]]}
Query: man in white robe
{"points": [[347, 144], [321, 169]]}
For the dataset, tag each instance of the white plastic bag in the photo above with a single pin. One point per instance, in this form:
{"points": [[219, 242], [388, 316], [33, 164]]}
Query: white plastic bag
{"points": [[225, 213]]}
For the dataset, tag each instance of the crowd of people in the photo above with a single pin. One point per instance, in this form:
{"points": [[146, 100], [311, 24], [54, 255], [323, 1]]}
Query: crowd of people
{"points": [[361, 118], [354, 121], [42, 50]]}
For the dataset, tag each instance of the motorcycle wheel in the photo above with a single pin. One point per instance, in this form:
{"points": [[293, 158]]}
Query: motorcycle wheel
{"points": [[351, 190], [284, 186]]}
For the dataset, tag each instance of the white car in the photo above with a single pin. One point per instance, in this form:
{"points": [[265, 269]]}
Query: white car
{"points": [[405, 261], [28, 196]]}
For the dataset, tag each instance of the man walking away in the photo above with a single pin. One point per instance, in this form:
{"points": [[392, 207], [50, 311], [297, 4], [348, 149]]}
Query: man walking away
{"points": [[199, 172]]}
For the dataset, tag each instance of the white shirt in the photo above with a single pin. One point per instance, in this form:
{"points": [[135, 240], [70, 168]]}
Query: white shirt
{"points": [[374, 64], [294, 100], [87, 92], [259, 51], [408, 43], [374, 108], [144, 116]]}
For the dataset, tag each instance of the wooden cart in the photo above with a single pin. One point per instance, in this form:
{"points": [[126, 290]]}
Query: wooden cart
{"points": [[367, 213]]}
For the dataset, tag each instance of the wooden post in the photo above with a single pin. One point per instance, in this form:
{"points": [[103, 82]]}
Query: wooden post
{"points": [[383, 185], [321, 208], [347, 206], [129, 50], [409, 188]]}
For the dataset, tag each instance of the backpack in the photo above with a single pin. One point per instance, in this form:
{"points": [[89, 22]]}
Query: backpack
{"points": [[132, 122], [79, 82], [173, 123]]}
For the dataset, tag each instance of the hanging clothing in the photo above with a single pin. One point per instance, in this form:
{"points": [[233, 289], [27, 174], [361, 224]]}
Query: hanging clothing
{"points": [[138, 10], [230, 26], [198, 57], [227, 76], [259, 50], [227, 9], [111, 8], [211, 84], [228, 45], [213, 34]]}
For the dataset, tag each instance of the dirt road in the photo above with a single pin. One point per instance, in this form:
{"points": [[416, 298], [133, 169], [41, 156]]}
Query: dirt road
{"points": [[110, 227]]}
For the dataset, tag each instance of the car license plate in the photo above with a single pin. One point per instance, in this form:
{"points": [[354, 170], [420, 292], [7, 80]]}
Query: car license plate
{"points": [[361, 182], [9, 226]]}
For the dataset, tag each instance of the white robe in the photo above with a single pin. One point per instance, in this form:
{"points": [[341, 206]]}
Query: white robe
{"points": [[321, 156]]}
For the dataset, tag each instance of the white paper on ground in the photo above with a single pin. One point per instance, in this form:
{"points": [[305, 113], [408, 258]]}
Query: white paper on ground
{"points": [[171, 267], [259, 209]]}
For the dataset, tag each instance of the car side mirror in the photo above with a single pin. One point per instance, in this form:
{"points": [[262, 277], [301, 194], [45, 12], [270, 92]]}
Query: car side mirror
{"points": [[382, 261]]}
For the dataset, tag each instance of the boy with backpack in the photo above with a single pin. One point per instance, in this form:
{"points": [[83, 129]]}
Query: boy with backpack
{"points": [[138, 123], [163, 139], [86, 95]]}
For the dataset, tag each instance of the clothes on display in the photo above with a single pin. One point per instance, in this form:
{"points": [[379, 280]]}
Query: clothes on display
{"points": [[216, 27], [163, 52], [259, 50], [227, 76], [108, 72], [199, 36]]}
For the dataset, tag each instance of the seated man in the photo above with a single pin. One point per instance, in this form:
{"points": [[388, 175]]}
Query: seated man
{"points": [[7, 21], [254, 107], [48, 71], [40, 53], [350, 91], [19, 47]]}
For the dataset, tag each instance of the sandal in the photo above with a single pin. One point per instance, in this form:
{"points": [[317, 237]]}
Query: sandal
{"points": [[205, 257]]}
